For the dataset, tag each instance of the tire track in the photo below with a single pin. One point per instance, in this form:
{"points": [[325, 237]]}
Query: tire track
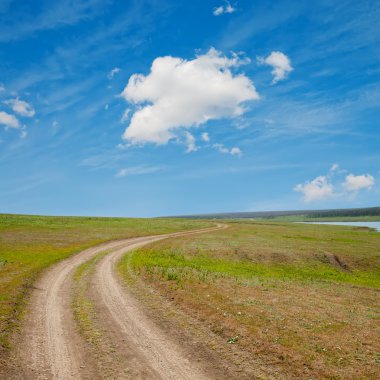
{"points": [[50, 346], [155, 354]]}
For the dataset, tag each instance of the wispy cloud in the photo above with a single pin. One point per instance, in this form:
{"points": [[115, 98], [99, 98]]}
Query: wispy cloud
{"points": [[256, 21], [62, 64], [137, 170], [23, 184], [205, 137], [8, 120], [54, 16], [126, 115], [107, 159], [21, 107], [113, 72], [61, 97], [190, 141], [222, 9], [234, 151]]}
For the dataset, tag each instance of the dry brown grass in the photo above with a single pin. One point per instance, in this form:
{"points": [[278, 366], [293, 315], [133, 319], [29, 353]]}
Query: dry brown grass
{"points": [[316, 325]]}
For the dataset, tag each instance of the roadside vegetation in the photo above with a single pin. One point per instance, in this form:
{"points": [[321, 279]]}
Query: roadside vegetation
{"points": [[300, 299], [29, 244], [87, 322], [84, 311]]}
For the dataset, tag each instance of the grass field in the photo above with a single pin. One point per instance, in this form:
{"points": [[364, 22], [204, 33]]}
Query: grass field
{"points": [[303, 299], [29, 244]]}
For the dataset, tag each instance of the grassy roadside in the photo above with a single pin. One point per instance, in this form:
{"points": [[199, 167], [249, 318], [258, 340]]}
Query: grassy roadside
{"points": [[29, 244], [84, 312], [304, 298]]}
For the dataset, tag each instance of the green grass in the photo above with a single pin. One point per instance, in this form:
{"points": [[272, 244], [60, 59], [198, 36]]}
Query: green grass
{"points": [[176, 266], [29, 244], [302, 298], [83, 308], [272, 250]]}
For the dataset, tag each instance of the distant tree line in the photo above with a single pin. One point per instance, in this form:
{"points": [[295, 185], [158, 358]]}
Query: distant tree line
{"points": [[372, 211], [369, 211]]}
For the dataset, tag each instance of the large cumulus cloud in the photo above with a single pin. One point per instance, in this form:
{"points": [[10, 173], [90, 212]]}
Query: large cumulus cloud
{"points": [[179, 94]]}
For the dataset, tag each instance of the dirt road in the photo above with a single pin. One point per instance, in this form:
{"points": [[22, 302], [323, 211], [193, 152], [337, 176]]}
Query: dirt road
{"points": [[51, 347]]}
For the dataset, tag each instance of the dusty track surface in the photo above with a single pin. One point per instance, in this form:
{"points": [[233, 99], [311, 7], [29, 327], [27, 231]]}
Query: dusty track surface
{"points": [[50, 346]]}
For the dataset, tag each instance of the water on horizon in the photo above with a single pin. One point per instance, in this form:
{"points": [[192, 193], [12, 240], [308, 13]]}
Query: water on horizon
{"points": [[374, 225]]}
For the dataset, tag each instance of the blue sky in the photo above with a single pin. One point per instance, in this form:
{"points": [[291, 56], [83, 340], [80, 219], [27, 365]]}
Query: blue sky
{"points": [[149, 108]]}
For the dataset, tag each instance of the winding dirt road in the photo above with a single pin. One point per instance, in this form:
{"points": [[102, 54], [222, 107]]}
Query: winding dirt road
{"points": [[51, 347]]}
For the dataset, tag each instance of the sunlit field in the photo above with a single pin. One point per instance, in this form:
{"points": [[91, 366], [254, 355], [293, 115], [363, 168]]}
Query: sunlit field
{"points": [[302, 300], [29, 244]]}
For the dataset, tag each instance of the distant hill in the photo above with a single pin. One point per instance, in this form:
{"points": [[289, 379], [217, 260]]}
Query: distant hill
{"points": [[333, 213]]}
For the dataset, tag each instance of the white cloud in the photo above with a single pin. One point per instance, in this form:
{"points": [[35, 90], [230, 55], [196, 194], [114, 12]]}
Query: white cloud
{"points": [[205, 137], [2, 88], [358, 182], [218, 11], [123, 146], [21, 107], [125, 116], [323, 187], [10, 121], [24, 134], [227, 8], [113, 72], [137, 170], [185, 93], [190, 142], [55, 126], [106, 107], [235, 151], [281, 65], [318, 189]]}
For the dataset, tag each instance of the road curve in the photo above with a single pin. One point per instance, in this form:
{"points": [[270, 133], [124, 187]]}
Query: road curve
{"points": [[50, 347]]}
